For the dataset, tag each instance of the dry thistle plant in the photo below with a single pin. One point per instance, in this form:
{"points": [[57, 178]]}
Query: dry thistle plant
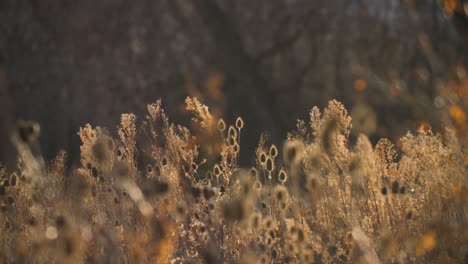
{"points": [[150, 195]]}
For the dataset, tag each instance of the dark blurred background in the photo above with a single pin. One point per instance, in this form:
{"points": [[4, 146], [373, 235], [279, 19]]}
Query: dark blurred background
{"points": [[65, 63]]}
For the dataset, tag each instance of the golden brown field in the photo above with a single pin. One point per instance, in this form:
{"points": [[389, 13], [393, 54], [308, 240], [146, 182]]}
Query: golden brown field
{"points": [[158, 192]]}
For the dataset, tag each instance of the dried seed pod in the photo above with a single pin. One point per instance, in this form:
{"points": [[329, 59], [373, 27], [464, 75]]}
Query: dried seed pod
{"points": [[253, 174], [209, 176], [216, 170], [282, 176], [281, 194], [235, 148], [273, 151], [239, 123], [257, 185], [232, 132], [270, 165], [221, 125], [263, 158], [149, 169], [231, 141]]}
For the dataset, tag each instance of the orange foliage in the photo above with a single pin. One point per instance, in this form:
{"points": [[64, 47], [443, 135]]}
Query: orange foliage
{"points": [[458, 115], [360, 85]]}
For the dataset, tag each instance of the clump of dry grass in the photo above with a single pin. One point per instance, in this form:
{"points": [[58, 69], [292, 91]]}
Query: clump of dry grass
{"points": [[148, 195]]}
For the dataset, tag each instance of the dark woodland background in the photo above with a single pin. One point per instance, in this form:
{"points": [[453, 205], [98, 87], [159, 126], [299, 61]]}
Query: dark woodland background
{"points": [[66, 63]]}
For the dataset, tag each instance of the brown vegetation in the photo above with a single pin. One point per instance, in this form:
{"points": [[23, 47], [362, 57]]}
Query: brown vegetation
{"points": [[160, 193]]}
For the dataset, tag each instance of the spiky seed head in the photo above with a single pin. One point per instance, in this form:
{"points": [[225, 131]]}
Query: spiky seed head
{"points": [[270, 165], [149, 169], [257, 185], [263, 158], [235, 148], [282, 176], [281, 193], [253, 174], [239, 123], [209, 175], [216, 170], [273, 151], [232, 132], [231, 141], [221, 125]]}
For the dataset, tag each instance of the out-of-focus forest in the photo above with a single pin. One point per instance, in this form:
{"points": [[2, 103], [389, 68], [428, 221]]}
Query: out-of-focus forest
{"points": [[66, 63]]}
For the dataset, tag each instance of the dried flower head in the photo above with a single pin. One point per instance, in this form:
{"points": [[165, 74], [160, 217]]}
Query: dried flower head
{"points": [[239, 123], [257, 185], [253, 174], [270, 165], [263, 158], [273, 151], [216, 170], [209, 176], [282, 176], [281, 193], [221, 125], [232, 132]]}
